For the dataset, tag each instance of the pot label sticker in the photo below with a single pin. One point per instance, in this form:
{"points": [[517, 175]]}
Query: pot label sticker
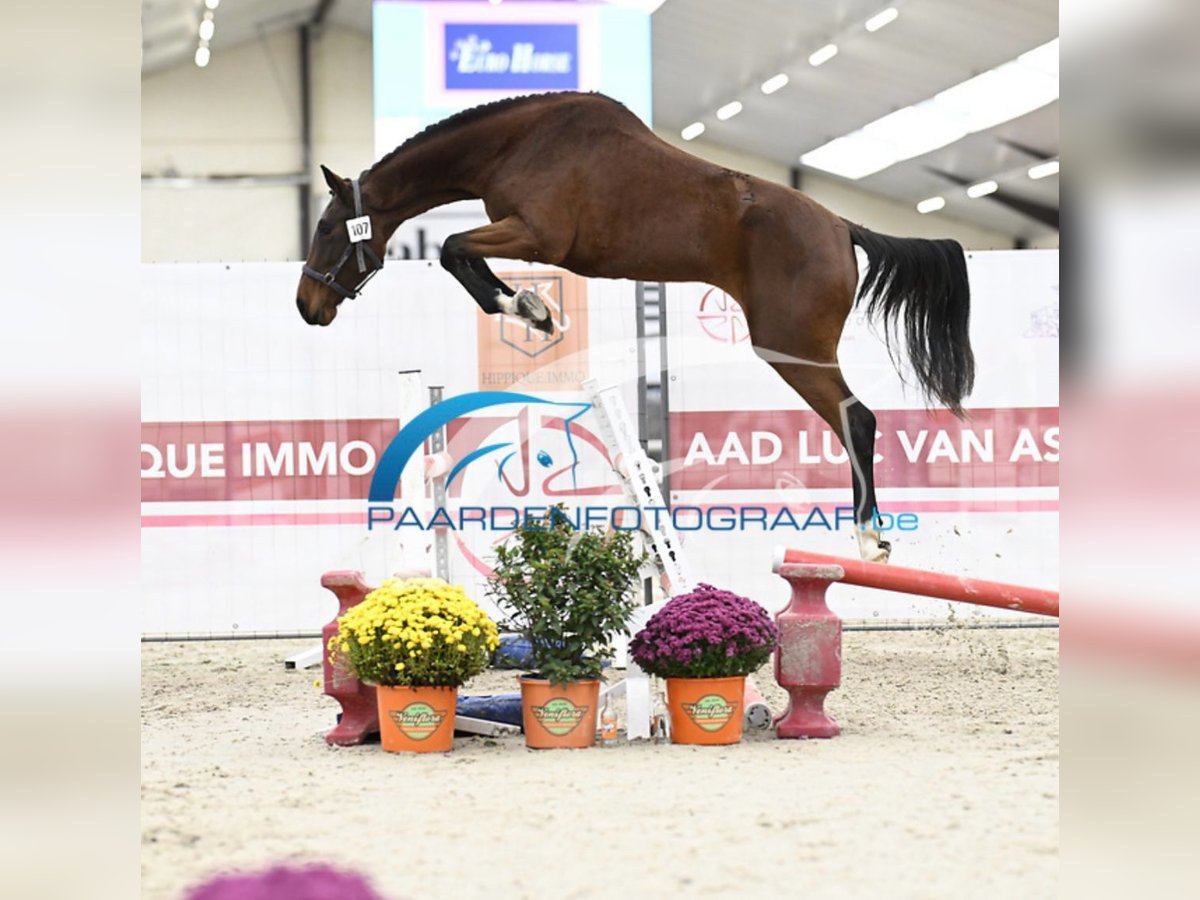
{"points": [[711, 712], [559, 716], [417, 721]]}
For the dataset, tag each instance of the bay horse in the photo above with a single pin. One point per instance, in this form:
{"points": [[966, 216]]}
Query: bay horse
{"points": [[578, 181]]}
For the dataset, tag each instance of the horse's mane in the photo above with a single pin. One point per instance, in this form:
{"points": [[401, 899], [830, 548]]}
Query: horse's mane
{"points": [[480, 112]]}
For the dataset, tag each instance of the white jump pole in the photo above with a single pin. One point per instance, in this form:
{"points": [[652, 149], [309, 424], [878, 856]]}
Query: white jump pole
{"points": [[415, 559]]}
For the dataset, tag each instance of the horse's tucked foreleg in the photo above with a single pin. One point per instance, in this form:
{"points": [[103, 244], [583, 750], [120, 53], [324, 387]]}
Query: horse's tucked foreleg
{"points": [[480, 290], [823, 388], [463, 256], [480, 268]]}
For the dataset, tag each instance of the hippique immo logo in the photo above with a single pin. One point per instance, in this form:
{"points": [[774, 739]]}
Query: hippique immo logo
{"points": [[711, 712], [417, 721], [512, 352], [559, 716]]}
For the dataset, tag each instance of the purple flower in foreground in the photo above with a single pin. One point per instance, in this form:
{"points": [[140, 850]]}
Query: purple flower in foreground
{"points": [[315, 882], [707, 633]]}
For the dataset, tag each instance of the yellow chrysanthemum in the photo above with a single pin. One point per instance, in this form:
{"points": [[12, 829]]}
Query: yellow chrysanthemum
{"points": [[398, 632]]}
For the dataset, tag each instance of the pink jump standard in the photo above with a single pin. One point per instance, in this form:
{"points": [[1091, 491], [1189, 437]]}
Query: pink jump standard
{"points": [[808, 664], [360, 713]]}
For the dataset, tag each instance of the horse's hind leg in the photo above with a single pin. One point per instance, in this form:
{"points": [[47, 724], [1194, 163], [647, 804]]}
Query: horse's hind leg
{"points": [[463, 257], [823, 388]]}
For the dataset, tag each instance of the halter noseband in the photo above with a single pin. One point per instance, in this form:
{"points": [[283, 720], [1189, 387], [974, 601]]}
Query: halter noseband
{"points": [[358, 230]]}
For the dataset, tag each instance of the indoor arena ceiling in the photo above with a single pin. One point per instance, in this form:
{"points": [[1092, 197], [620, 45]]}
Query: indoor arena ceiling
{"points": [[709, 53]]}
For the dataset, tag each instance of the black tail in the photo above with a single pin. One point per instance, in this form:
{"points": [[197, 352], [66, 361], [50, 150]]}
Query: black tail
{"points": [[922, 285]]}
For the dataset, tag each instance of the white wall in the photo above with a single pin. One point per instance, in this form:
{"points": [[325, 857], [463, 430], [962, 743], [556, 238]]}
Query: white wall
{"points": [[343, 106], [220, 224], [241, 115], [1048, 241]]}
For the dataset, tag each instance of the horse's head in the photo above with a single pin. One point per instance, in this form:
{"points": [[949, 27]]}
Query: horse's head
{"points": [[347, 249]]}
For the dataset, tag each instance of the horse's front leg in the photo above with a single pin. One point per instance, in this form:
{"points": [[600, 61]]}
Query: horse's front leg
{"points": [[463, 257]]}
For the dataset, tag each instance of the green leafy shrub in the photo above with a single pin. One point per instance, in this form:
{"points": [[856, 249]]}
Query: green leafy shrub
{"points": [[568, 591]]}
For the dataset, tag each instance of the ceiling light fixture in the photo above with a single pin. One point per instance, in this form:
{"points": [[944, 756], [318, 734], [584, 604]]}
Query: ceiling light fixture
{"points": [[729, 110], [1043, 170], [886, 17], [932, 204], [1013, 89], [692, 131], [774, 83], [982, 189], [824, 55], [202, 55], [207, 27], [212, 4]]}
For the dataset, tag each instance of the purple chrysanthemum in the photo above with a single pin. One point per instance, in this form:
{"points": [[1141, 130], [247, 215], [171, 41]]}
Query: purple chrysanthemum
{"points": [[707, 633], [314, 882]]}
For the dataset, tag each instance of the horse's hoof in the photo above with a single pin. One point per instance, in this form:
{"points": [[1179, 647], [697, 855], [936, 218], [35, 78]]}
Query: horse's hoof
{"points": [[872, 548], [531, 308]]}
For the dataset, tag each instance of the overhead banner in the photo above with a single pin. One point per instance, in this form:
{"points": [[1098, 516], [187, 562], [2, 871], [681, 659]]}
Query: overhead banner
{"points": [[527, 57], [434, 59]]}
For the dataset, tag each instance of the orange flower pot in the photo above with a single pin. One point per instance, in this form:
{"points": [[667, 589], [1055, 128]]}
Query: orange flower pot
{"points": [[559, 715], [705, 710], [416, 719]]}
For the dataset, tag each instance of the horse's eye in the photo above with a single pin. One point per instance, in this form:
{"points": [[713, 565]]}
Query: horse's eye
{"points": [[324, 228]]}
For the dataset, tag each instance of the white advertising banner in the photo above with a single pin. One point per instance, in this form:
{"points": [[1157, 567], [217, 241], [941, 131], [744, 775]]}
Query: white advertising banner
{"points": [[265, 440]]}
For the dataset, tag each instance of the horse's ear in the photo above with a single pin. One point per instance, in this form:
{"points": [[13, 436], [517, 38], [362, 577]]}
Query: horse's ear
{"points": [[339, 186]]}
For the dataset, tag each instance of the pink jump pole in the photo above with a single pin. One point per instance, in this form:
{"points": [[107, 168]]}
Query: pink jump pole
{"points": [[932, 584], [360, 715], [808, 664]]}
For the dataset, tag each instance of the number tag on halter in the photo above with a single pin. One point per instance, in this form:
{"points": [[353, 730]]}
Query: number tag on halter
{"points": [[359, 229]]}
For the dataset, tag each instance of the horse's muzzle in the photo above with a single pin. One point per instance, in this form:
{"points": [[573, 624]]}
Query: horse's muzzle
{"points": [[317, 319], [304, 312]]}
